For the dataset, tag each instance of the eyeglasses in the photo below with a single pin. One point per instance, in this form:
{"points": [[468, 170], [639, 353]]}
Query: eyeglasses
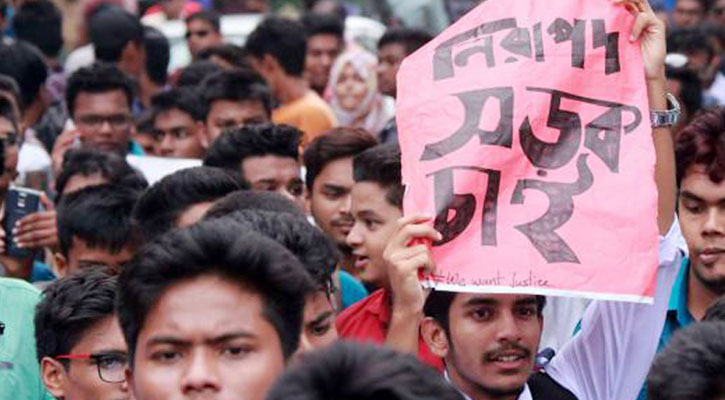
{"points": [[111, 366], [718, 11], [95, 122]]}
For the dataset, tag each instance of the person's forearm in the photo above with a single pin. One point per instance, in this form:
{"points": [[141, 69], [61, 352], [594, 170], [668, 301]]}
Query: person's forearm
{"points": [[404, 330], [664, 149]]}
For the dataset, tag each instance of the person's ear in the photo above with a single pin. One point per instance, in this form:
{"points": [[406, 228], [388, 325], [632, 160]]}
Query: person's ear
{"points": [[61, 265], [53, 375], [435, 337]]}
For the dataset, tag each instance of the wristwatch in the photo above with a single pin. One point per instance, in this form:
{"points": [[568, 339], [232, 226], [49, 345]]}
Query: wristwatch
{"points": [[667, 118]]}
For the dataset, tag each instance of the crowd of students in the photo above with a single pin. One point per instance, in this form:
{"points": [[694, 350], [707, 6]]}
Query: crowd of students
{"points": [[271, 258]]}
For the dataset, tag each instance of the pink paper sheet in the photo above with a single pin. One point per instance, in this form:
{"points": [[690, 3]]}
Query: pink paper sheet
{"points": [[524, 127]]}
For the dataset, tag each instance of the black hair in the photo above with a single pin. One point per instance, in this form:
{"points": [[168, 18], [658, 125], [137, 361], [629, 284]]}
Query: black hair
{"points": [[688, 41], [228, 52], [381, 164], [716, 311], [332, 145], [111, 166], [235, 85], [195, 73], [25, 64], [40, 22], [690, 88], [350, 370], [237, 144], [692, 366], [161, 205], [100, 216], [253, 200], [283, 39], [183, 99], [9, 85], [209, 16], [111, 29], [97, 78], [70, 306], [308, 243], [412, 39], [217, 248], [438, 307], [158, 55], [323, 24]]}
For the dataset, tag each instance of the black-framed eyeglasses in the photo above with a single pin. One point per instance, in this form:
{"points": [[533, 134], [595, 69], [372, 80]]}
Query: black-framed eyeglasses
{"points": [[9, 138], [95, 122], [111, 366], [201, 34]]}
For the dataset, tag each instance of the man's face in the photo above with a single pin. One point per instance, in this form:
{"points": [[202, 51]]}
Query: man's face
{"points": [[322, 50], [9, 135], [318, 326], [200, 35], [389, 58], [702, 218], [82, 380], [687, 13], [717, 12], [81, 255], [104, 120], [330, 200], [375, 222], [492, 344], [178, 135], [230, 114], [275, 174], [206, 338]]}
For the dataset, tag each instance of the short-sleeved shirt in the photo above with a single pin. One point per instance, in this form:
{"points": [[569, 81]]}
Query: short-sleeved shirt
{"points": [[368, 321], [19, 368], [310, 114]]}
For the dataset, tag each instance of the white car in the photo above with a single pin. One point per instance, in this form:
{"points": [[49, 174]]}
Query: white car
{"points": [[235, 29]]}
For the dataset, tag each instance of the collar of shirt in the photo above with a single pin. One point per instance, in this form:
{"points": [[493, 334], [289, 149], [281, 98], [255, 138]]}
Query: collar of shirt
{"points": [[525, 395], [378, 306]]}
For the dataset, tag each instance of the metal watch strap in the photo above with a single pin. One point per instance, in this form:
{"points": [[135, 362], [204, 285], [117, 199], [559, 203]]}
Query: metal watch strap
{"points": [[667, 118]]}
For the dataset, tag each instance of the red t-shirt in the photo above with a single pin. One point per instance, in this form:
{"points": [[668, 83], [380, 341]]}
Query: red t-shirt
{"points": [[368, 320]]}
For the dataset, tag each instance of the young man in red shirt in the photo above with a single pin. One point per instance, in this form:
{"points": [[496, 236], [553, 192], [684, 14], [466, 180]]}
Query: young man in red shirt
{"points": [[379, 243]]}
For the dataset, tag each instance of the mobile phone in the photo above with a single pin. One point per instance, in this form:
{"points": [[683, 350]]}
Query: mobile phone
{"points": [[19, 202]]}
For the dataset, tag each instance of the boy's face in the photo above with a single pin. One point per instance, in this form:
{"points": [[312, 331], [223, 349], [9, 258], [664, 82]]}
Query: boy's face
{"points": [[702, 219], [491, 343], [82, 379], [81, 255], [206, 338], [273, 173], [318, 325], [10, 136], [225, 114], [375, 222], [330, 200], [178, 135]]}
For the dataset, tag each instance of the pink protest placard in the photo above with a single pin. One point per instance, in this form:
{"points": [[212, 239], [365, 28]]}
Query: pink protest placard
{"points": [[524, 128]]}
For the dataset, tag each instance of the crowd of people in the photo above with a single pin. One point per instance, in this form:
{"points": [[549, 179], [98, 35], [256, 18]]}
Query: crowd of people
{"points": [[234, 228]]}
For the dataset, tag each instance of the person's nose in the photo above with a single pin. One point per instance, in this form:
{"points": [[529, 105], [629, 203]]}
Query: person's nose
{"points": [[167, 145], [200, 374], [713, 222], [508, 328], [354, 238]]}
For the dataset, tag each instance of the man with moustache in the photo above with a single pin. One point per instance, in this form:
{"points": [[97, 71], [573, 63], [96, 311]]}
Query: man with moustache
{"points": [[329, 180]]}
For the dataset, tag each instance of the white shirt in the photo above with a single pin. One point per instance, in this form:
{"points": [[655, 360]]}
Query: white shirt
{"points": [[610, 357]]}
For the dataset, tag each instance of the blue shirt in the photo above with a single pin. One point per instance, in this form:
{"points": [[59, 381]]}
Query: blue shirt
{"points": [[351, 290], [678, 315]]}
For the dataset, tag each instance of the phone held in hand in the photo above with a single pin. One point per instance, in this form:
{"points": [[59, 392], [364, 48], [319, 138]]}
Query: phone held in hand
{"points": [[19, 202]]}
